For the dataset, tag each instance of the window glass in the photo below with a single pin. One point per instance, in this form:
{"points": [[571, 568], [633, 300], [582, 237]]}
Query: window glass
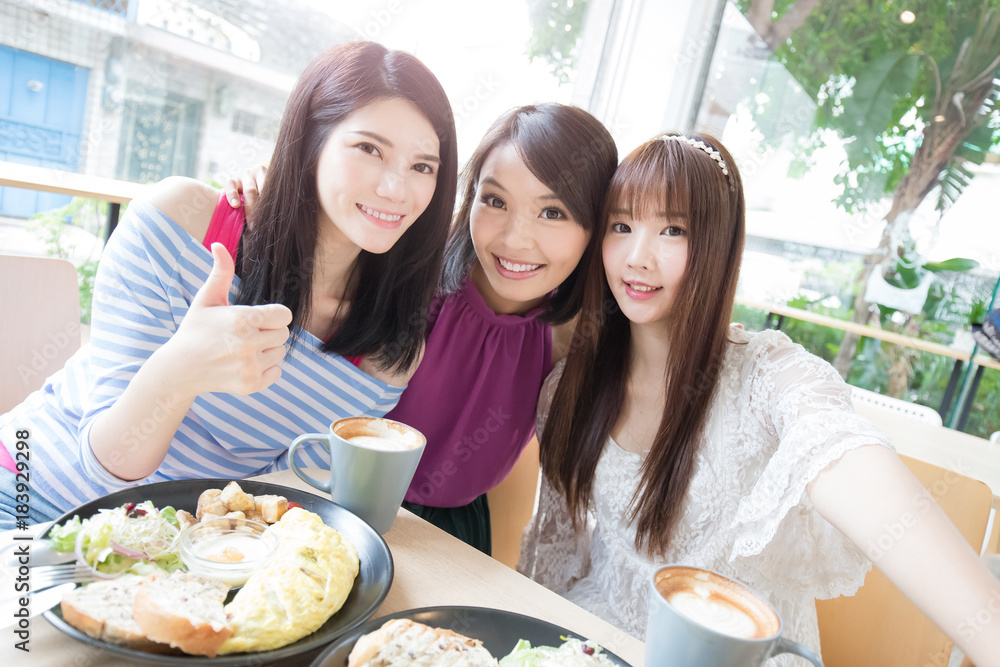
{"points": [[867, 135]]}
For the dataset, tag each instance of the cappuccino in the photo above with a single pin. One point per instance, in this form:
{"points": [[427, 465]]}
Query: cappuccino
{"points": [[717, 603], [376, 433]]}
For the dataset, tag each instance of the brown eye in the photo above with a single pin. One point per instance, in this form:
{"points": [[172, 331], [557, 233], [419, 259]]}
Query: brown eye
{"points": [[371, 149], [493, 201]]}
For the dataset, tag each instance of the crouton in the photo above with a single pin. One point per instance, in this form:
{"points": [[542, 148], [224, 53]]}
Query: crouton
{"points": [[234, 498], [210, 502], [184, 519], [272, 508]]}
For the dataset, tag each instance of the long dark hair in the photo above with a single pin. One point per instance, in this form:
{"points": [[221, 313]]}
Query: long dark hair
{"points": [[389, 293], [591, 394], [569, 151]]}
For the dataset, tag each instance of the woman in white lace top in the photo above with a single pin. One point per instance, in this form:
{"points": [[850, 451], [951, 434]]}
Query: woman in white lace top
{"points": [[676, 438]]}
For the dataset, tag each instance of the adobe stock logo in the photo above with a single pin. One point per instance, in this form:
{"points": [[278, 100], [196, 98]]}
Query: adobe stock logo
{"points": [[379, 20]]}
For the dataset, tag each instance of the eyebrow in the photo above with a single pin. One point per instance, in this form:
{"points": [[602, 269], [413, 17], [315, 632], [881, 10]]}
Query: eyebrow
{"points": [[489, 180], [379, 138]]}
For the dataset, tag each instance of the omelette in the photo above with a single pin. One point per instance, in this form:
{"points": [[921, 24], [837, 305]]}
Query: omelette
{"points": [[305, 584]]}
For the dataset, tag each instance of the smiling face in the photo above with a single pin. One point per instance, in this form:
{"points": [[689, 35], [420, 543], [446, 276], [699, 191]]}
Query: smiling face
{"points": [[376, 174], [526, 240], [645, 257]]}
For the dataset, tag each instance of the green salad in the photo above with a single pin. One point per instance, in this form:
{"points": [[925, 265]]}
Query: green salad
{"points": [[573, 653], [136, 538]]}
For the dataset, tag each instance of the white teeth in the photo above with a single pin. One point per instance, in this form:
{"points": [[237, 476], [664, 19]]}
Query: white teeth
{"points": [[518, 267], [641, 288], [381, 216]]}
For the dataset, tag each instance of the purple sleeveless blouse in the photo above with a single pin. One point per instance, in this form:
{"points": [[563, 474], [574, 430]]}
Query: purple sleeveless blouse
{"points": [[473, 396]]}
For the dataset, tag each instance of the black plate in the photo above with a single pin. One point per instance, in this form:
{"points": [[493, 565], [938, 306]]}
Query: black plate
{"points": [[498, 630], [370, 587]]}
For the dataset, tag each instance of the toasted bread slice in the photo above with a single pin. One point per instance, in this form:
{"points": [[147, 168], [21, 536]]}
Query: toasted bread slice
{"points": [[403, 642], [103, 610], [184, 611]]}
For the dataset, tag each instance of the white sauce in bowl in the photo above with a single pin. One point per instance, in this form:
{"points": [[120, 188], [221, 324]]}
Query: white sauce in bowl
{"points": [[231, 548]]}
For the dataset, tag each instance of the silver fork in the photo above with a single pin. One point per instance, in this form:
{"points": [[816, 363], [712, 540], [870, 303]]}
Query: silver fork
{"points": [[45, 576]]}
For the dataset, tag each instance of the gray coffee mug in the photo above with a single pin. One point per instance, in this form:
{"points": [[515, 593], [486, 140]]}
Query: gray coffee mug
{"points": [[365, 478], [674, 639]]}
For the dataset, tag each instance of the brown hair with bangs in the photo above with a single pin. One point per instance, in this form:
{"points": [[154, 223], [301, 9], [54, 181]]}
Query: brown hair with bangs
{"points": [[569, 151], [671, 175]]}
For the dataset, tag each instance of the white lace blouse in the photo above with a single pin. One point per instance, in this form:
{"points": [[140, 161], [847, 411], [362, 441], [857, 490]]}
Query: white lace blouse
{"points": [[779, 417]]}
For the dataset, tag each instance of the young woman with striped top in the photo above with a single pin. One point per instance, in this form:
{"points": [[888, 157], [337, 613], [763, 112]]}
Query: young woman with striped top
{"points": [[211, 349]]}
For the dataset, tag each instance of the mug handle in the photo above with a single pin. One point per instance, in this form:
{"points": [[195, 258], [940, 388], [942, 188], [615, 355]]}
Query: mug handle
{"points": [[311, 481], [788, 646]]}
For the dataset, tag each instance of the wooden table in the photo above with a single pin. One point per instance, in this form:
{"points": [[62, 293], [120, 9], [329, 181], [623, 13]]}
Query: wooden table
{"points": [[110, 190], [431, 568]]}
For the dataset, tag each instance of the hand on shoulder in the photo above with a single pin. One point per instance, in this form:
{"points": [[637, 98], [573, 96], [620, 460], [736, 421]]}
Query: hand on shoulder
{"points": [[186, 201]]}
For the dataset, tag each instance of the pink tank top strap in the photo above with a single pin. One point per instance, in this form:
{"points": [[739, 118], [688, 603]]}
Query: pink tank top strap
{"points": [[7, 462], [226, 226]]}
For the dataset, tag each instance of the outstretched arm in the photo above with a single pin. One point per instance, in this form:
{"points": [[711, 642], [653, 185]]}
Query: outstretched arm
{"points": [[868, 489]]}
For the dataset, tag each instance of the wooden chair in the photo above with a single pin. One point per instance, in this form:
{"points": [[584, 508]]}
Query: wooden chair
{"points": [[879, 626], [512, 503], [40, 307]]}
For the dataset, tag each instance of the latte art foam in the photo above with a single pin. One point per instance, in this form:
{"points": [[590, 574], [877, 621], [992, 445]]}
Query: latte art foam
{"points": [[717, 603], [718, 614], [379, 434]]}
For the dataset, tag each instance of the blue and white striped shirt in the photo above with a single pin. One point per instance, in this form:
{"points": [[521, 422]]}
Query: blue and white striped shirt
{"points": [[146, 280]]}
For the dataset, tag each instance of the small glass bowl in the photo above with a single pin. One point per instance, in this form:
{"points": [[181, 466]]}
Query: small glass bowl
{"points": [[229, 550]]}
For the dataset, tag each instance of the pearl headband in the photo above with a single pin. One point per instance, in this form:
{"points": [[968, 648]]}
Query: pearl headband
{"points": [[711, 152]]}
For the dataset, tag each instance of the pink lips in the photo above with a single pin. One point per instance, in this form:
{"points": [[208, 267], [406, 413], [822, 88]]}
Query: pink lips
{"points": [[636, 294], [514, 275], [378, 222]]}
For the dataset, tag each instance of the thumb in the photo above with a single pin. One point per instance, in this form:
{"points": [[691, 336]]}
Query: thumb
{"points": [[215, 291]]}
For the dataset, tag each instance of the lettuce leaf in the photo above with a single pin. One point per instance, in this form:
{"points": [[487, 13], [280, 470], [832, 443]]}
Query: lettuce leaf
{"points": [[63, 538]]}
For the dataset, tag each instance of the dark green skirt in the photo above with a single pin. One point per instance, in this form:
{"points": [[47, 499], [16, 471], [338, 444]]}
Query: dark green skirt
{"points": [[469, 523]]}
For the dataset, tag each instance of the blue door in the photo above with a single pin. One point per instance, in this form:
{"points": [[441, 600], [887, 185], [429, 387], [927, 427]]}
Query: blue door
{"points": [[42, 103]]}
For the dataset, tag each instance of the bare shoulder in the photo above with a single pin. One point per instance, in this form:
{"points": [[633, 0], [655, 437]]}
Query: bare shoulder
{"points": [[187, 202]]}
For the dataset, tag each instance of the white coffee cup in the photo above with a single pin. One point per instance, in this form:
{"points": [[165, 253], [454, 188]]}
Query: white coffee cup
{"points": [[699, 618], [372, 462]]}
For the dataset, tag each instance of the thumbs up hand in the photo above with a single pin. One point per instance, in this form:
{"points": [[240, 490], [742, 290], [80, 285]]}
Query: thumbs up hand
{"points": [[224, 348], [215, 291]]}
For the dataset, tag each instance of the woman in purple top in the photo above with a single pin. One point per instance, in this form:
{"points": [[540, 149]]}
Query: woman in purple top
{"points": [[532, 195], [511, 286]]}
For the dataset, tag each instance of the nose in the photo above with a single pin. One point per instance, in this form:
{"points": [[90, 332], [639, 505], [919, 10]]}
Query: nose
{"points": [[517, 232], [640, 255], [391, 186]]}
